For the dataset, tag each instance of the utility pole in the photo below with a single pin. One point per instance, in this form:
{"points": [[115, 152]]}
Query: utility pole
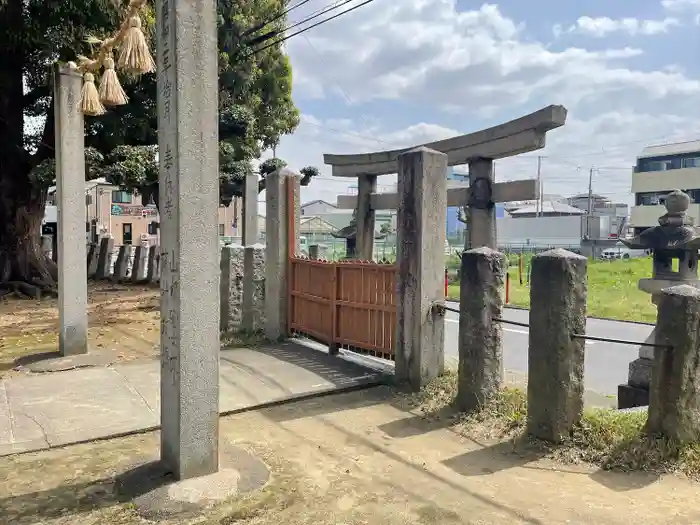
{"points": [[590, 202], [539, 185]]}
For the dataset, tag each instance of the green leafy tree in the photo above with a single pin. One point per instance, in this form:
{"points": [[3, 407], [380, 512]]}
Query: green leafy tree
{"points": [[135, 168], [255, 111]]}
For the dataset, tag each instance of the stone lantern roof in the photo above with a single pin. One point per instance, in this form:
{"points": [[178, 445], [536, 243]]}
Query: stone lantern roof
{"points": [[350, 231], [675, 231]]}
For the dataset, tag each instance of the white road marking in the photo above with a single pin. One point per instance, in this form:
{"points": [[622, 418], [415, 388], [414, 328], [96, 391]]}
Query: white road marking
{"points": [[514, 330]]}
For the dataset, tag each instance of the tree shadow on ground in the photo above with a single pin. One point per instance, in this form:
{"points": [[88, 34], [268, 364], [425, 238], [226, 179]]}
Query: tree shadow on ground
{"points": [[73, 499], [417, 424], [58, 502]]}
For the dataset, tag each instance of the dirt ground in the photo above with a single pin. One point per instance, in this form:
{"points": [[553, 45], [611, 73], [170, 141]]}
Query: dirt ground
{"points": [[352, 459], [120, 316]]}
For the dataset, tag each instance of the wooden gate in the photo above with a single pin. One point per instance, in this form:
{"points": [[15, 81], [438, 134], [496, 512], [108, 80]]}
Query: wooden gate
{"points": [[350, 305]]}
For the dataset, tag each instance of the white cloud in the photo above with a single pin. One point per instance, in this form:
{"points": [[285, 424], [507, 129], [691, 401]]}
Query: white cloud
{"points": [[681, 5], [426, 57], [603, 26], [684, 7], [428, 52]]}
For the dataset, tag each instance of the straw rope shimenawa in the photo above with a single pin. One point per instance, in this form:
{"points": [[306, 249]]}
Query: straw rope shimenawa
{"points": [[134, 58]]}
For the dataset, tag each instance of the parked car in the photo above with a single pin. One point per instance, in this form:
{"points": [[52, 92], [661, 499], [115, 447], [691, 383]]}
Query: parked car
{"points": [[620, 251]]}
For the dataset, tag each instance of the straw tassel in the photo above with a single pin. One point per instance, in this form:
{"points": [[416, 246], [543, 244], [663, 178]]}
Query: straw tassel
{"points": [[111, 91], [134, 55], [90, 98]]}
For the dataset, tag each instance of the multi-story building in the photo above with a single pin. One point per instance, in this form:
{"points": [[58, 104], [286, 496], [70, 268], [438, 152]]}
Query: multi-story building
{"points": [[617, 212], [659, 170], [121, 214]]}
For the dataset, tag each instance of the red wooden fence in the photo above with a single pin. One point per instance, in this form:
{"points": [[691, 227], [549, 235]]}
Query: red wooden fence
{"points": [[344, 304]]}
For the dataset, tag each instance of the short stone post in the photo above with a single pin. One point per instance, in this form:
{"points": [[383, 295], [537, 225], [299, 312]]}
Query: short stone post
{"points": [[121, 264], [104, 260], [481, 370], [70, 189], [46, 245], [420, 334], [188, 154], [152, 273], [277, 248], [250, 210], [555, 359], [226, 282], [313, 251], [674, 394], [253, 288], [137, 267], [93, 259]]}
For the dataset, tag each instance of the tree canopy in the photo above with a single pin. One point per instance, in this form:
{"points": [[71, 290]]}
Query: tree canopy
{"points": [[255, 110]]}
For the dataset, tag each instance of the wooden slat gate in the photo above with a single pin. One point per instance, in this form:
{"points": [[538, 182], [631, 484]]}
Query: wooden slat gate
{"points": [[350, 304]]}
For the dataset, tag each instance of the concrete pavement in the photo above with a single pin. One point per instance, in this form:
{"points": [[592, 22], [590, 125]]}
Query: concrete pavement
{"points": [[606, 363], [50, 410], [55, 409]]}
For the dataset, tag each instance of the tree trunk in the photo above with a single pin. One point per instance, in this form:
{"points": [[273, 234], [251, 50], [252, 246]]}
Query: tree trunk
{"points": [[24, 268]]}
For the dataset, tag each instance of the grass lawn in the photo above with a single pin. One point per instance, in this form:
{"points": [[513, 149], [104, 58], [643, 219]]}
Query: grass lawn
{"points": [[612, 290]]}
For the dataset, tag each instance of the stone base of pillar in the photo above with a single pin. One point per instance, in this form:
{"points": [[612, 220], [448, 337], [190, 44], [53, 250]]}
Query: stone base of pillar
{"points": [[630, 396]]}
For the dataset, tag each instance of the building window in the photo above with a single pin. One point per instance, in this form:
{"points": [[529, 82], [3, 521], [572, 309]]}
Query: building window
{"points": [[693, 162], [127, 233], [221, 230], [660, 165], [121, 197], [650, 198]]}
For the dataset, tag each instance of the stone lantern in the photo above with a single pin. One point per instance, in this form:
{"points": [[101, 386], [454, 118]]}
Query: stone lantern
{"points": [[349, 233], [674, 245]]}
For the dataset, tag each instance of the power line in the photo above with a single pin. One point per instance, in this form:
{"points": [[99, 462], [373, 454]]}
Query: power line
{"points": [[325, 20], [319, 12], [273, 19]]}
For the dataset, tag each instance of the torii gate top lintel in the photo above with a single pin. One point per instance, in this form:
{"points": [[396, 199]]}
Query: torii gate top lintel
{"points": [[518, 136]]}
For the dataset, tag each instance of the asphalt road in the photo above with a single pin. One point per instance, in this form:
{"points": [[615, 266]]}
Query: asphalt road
{"points": [[606, 363]]}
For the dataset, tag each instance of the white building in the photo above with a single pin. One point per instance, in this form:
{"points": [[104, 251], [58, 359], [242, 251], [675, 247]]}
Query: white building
{"points": [[659, 170]]}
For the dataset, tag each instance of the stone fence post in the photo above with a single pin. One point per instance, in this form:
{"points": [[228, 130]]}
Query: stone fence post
{"points": [[139, 265], [481, 370], [555, 359], [674, 394], [104, 259], [121, 264], [420, 331], [242, 288], [282, 219]]}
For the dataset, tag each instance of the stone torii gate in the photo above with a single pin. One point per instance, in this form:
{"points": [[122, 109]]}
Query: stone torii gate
{"points": [[478, 150]]}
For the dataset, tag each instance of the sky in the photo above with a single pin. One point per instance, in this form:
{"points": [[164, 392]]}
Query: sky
{"points": [[400, 73]]}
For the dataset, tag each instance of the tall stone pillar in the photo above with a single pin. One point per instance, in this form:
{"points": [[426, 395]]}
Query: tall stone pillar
{"points": [[70, 189], [250, 210], [420, 338], [189, 201], [281, 221], [481, 212], [366, 185]]}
